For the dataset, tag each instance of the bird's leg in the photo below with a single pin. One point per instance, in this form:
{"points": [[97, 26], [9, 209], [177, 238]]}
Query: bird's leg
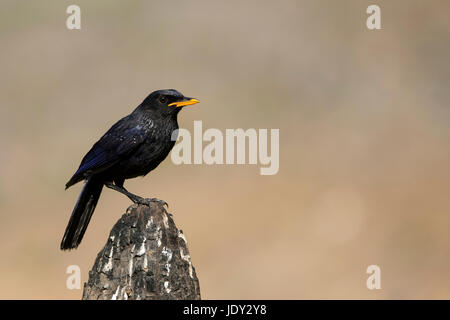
{"points": [[133, 197]]}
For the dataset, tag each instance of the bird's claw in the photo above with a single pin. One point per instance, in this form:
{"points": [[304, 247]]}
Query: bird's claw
{"points": [[161, 202], [147, 201]]}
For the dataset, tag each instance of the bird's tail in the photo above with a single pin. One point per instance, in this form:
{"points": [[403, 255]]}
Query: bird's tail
{"points": [[81, 214]]}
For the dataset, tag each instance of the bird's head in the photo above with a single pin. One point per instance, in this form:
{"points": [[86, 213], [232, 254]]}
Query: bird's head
{"points": [[166, 102]]}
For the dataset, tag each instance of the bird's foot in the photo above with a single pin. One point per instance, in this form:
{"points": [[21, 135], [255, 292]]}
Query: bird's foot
{"points": [[160, 202], [147, 201], [135, 198]]}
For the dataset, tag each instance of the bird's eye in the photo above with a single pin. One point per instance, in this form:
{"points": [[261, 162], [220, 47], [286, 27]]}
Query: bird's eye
{"points": [[163, 99]]}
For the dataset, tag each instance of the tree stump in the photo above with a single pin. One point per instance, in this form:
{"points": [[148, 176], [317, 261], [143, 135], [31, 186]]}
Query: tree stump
{"points": [[145, 258]]}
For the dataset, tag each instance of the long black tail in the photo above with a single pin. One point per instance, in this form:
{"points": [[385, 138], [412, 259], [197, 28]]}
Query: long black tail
{"points": [[81, 214]]}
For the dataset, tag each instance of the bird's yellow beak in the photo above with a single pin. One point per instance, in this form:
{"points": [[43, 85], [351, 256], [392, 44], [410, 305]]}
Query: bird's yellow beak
{"points": [[185, 102]]}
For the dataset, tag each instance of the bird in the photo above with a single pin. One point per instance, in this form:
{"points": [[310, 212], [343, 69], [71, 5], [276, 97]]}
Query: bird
{"points": [[132, 147]]}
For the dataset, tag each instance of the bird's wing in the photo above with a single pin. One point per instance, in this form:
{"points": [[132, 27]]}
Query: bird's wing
{"points": [[123, 137]]}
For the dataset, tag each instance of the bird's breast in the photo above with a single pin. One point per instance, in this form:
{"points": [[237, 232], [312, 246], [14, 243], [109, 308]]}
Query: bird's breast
{"points": [[160, 140]]}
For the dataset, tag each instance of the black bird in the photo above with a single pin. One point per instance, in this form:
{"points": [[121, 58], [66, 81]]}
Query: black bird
{"points": [[132, 147]]}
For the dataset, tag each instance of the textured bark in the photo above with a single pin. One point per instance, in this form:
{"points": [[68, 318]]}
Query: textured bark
{"points": [[145, 258]]}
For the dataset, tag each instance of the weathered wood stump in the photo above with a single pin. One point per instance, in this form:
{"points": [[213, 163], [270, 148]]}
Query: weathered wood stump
{"points": [[145, 258]]}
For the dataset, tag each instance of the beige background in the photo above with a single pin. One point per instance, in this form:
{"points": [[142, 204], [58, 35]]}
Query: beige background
{"points": [[364, 140]]}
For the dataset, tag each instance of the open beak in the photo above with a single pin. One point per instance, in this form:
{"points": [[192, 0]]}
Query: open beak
{"points": [[184, 102]]}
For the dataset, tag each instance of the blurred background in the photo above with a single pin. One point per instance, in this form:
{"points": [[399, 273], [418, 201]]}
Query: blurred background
{"points": [[364, 141]]}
